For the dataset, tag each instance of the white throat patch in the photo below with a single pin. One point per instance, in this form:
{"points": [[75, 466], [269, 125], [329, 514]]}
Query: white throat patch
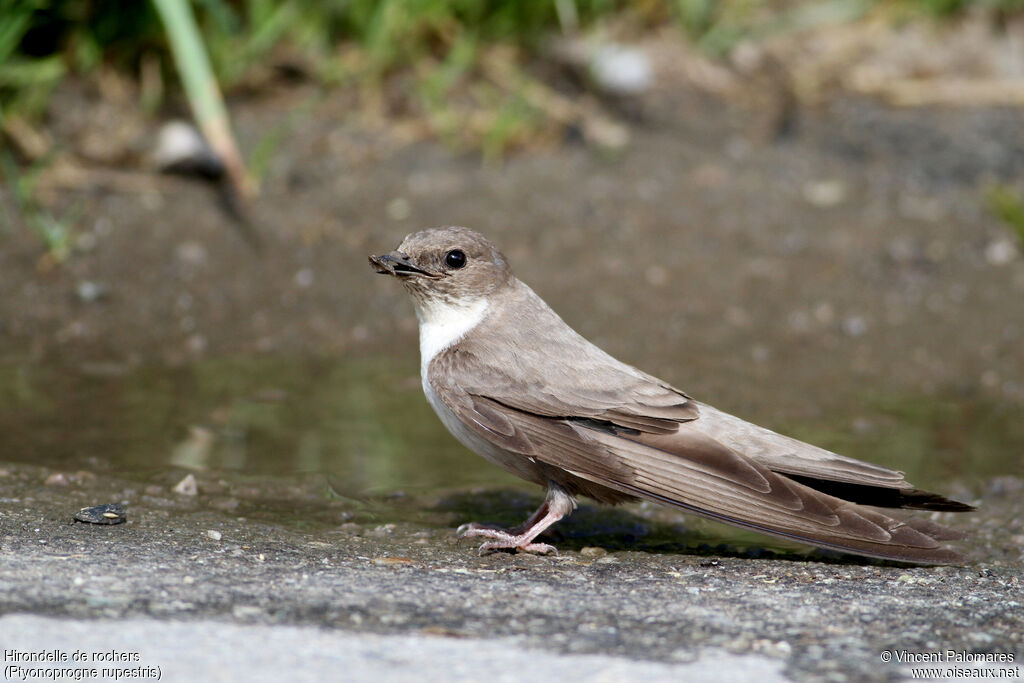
{"points": [[442, 323]]}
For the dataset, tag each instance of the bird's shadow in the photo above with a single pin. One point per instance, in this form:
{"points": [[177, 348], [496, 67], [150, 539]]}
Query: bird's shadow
{"points": [[620, 529]]}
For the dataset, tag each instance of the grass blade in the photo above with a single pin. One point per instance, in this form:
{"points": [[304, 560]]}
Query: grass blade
{"points": [[202, 90]]}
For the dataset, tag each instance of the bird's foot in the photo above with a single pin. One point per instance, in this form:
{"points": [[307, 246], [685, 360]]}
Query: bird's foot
{"points": [[504, 540], [557, 504]]}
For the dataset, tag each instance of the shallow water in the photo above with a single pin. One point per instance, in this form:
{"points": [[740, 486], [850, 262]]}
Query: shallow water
{"points": [[364, 424]]}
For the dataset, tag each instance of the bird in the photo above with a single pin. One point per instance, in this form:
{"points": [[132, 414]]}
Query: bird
{"points": [[516, 384]]}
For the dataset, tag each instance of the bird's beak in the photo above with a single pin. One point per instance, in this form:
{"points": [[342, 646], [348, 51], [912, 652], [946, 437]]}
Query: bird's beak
{"points": [[399, 265]]}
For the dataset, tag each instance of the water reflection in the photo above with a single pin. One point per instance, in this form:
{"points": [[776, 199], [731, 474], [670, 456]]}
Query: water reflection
{"points": [[364, 423]]}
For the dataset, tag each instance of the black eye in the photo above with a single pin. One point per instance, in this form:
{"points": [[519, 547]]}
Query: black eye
{"points": [[455, 259]]}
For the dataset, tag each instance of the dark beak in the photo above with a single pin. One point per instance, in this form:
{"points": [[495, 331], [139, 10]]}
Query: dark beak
{"points": [[398, 265]]}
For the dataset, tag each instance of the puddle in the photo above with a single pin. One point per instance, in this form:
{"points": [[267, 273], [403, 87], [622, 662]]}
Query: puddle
{"points": [[316, 443], [934, 440], [364, 424]]}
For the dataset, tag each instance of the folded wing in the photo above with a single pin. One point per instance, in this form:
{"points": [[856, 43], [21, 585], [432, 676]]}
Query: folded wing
{"points": [[665, 447]]}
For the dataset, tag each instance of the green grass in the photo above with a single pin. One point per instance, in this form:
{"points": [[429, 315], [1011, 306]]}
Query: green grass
{"points": [[249, 41], [241, 36], [444, 52], [947, 8], [42, 42], [1007, 205], [25, 79], [55, 232]]}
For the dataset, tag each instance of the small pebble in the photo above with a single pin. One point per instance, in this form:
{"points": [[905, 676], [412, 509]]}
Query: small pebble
{"points": [[180, 148], [213, 535], [89, 291], [111, 513], [593, 551], [192, 253], [1000, 252], [824, 193], [621, 70], [855, 326], [187, 486], [66, 479], [247, 611], [57, 479]]}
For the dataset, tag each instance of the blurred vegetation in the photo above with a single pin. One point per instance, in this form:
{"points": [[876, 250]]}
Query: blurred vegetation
{"points": [[438, 46], [953, 7], [715, 27], [1007, 205], [460, 61], [336, 41], [54, 231], [42, 41]]}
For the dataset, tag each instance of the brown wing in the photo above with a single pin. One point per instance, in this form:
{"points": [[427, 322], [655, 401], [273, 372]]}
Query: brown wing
{"points": [[692, 471], [558, 373], [788, 455], [538, 364], [828, 472], [683, 467]]}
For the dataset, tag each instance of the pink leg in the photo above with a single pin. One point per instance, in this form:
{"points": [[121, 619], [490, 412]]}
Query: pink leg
{"points": [[557, 505]]}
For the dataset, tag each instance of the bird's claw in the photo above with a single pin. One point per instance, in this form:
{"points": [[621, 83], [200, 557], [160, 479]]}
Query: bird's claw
{"points": [[463, 529], [539, 548], [502, 540]]}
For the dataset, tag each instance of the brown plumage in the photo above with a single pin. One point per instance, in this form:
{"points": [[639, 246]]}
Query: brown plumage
{"points": [[517, 385]]}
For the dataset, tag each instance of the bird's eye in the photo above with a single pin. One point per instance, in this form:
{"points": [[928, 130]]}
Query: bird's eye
{"points": [[455, 259]]}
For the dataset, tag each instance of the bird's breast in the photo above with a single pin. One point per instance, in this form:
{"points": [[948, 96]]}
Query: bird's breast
{"points": [[517, 464]]}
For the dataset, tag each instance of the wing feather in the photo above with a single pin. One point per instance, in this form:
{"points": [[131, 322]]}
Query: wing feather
{"points": [[624, 433]]}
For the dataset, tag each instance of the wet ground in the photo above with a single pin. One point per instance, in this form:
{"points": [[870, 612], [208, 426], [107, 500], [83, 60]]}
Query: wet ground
{"points": [[845, 284]]}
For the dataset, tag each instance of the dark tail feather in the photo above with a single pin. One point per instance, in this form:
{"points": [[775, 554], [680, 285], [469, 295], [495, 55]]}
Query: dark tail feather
{"points": [[880, 496]]}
